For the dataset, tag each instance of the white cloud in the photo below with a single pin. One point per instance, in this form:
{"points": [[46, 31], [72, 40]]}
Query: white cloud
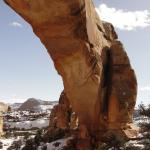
{"points": [[16, 24], [124, 20], [146, 88]]}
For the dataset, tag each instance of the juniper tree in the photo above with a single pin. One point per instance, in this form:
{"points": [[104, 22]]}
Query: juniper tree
{"points": [[144, 112]]}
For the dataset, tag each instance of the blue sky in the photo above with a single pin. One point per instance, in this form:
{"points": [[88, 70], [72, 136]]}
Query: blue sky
{"points": [[25, 67]]}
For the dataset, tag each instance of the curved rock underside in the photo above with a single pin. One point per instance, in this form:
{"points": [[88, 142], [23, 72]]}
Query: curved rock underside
{"points": [[99, 83]]}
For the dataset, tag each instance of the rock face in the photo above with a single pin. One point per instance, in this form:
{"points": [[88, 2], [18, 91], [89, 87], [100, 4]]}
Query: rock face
{"points": [[1, 124], [3, 108], [60, 114], [99, 82]]}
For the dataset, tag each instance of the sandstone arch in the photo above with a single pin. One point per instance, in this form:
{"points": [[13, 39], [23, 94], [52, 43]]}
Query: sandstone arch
{"points": [[98, 79]]}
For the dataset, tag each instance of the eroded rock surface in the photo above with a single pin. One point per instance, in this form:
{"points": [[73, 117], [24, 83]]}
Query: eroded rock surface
{"points": [[99, 82], [61, 114], [3, 109]]}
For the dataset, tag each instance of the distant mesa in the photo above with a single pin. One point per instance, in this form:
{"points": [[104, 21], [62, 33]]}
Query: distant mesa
{"points": [[33, 104]]}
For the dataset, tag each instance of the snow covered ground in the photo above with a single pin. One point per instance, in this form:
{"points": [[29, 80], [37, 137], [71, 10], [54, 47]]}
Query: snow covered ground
{"points": [[6, 143], [39, 123], [139, 120], [56, 145], [11, 141], [45, 107]]}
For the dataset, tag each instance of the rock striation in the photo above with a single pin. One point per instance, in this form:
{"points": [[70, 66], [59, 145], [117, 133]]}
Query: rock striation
{"points": [[99, 82], [60, 115]]}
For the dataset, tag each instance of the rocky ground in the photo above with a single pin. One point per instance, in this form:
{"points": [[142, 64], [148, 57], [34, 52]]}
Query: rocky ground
{"points": [[26, 127], [22, 124]]}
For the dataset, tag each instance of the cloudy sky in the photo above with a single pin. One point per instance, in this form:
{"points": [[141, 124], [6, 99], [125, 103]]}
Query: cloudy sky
{"points": [[26, 70]]}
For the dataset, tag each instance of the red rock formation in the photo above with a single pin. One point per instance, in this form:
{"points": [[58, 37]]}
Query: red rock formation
{"points": [[61, 113], [98, 79], [3, 109]]}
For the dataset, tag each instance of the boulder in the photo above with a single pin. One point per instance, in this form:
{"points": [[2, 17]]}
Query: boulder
{"points": [[60, 114]]}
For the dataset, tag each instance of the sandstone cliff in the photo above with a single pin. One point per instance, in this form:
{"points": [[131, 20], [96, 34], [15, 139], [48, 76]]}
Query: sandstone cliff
{"points": [[3, 108], [99, 83]]}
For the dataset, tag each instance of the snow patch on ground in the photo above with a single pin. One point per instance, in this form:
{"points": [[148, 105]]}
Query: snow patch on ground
{"points": [[57, 145], [39, 123], [7, 143], [45, 107], [135, 143]]}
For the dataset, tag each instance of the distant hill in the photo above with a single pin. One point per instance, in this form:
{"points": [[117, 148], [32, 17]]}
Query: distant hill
{"points": [[15, 106], [37, 105]]}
